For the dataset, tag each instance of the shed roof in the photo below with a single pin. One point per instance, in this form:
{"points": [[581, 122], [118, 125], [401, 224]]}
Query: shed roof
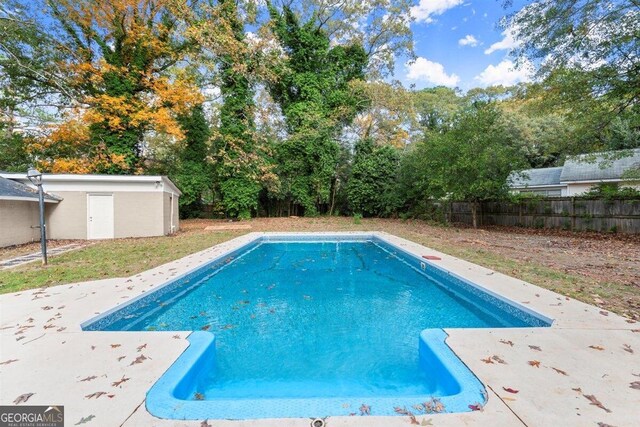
{"points": [[12, 190], [535, 177], [600, 166]]}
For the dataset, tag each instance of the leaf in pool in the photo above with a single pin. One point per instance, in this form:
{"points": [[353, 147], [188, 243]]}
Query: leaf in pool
{"points": [[138, 360], [597, 347], [594, 401], [96, 395], [509, 343], [119, 382], [193, 317], [627, 348], [534, 363], [498, 359], [115, 345], [91, 378], [152, 328], [228, 326], [510, 390], [560, 371], [6, 362], [635, 385], [140, 347], [307, 297], [365, 409], [535, 347], [84, 420], [206, 327], [198, 396], [22, 398], [475, 407], [203, 313]]}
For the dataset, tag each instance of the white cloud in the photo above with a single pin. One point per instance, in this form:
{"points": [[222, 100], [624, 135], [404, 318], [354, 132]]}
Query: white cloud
{"points": [[431, 72], [468, 40], [508, 42], [426, 9], [505, 74]]}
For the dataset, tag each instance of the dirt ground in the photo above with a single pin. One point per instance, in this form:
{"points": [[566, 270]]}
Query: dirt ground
{"points": [[601, 269]]}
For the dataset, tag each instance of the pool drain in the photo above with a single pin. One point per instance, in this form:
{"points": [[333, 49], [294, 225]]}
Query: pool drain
{"points": [[318, 422]]}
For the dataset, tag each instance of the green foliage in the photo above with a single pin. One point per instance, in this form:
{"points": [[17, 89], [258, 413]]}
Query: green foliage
{"points": [[312, 89], [612, 191], [13, 156], [372, 187], [194, 175]]}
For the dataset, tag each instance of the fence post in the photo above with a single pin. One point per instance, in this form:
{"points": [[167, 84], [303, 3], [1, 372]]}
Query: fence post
{"points": [[573, 214]]}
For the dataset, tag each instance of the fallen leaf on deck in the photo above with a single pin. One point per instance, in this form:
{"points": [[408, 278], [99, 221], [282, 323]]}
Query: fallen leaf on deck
{"points": [[426, 422], [475, 407], [535, 347], [579, 390], [121, 357], [205, 423], [139, 359], [596, 347], [510, 343], [498, 359], [22, 398], [560, 371], [627, 348], [84, 420], [6, 362], [365, 409], [594, 401], [115, 345], [535, 363], [635, 385], [92, 377], [510, 390], [48, 307], [601, 424], [140, 347], [604, 313], [487, 360], [403, 411], [120, 381], [96, 395], [176, 337]]}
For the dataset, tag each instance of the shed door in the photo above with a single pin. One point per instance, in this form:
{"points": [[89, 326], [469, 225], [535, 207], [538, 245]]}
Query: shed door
{"points": [[100, 216]]}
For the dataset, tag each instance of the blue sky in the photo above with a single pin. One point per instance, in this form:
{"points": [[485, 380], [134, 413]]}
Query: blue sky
{"points": [[459, 44]]}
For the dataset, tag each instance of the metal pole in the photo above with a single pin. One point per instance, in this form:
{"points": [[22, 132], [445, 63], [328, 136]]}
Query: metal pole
{"points": [[43, 229]]}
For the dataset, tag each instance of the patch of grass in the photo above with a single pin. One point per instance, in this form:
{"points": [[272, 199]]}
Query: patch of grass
{"points": [[108, 259]]}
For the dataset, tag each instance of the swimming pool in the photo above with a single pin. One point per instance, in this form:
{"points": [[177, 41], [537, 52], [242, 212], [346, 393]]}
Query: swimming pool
{"points": [[309, 326]]}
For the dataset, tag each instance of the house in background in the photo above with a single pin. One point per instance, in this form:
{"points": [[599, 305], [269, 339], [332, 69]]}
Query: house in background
{"points": [[19, 212], [578, 175], [93, 207]]}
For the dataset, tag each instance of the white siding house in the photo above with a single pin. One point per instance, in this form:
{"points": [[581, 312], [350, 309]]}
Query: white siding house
{"points": [[579, 174]]}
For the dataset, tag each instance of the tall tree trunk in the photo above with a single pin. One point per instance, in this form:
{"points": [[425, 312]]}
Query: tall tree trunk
{"points": [[474, 213]]}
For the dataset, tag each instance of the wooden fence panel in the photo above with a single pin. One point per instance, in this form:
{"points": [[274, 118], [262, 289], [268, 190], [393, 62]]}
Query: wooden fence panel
{"points": [[568, 213]]}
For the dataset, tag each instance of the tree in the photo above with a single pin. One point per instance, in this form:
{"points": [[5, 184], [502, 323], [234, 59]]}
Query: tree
{"points": [[312, 89], [372, 186], [587, 52], [194, 174], [470, 162], [108, 64]]}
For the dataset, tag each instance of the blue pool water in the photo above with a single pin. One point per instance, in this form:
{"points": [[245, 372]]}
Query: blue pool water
{"points": [[332, 319]]}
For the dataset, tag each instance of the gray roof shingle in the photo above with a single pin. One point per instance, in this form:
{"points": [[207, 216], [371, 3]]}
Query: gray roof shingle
{"points": [[599, 166], [535, 177], [13, 190]]}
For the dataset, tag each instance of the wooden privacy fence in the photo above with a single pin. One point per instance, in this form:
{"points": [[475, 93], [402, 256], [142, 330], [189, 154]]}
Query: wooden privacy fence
{"points": [[568, 213]]}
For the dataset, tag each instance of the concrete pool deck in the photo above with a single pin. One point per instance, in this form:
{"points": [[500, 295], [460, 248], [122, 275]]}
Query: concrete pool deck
{"points": [[584, 370]]}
